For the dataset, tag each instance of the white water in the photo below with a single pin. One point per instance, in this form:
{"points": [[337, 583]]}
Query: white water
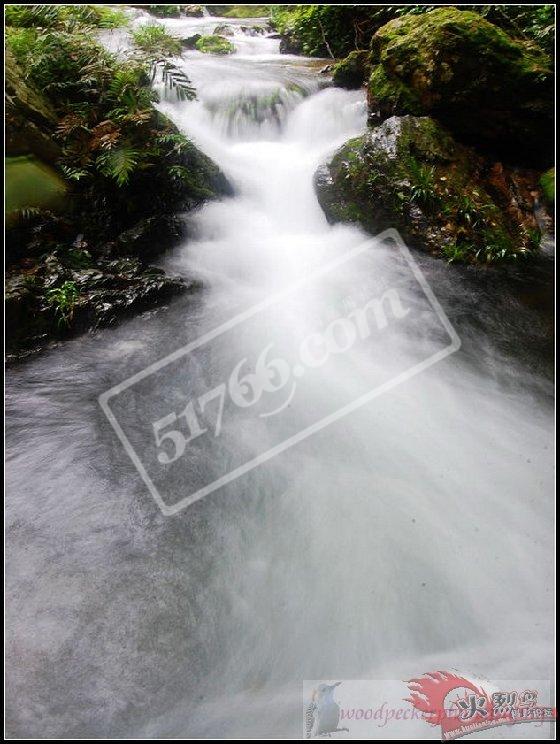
{"points": [[415, 534]]}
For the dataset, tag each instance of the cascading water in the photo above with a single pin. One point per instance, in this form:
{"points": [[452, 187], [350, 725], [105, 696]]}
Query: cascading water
{"points": [[413, 535]]}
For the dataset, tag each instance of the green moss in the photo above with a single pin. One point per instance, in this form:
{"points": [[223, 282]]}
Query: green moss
{"points": [[391, 95], [352, 71], [547, 182], [164, 11], [31, 183], [214, 45], [488, 88], [410, 174]]}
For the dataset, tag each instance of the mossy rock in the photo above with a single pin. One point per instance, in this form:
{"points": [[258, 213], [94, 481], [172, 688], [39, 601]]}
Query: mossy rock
{"points": [[411, 175], [214, 45], [164, 11], [32, 184], [547, 183], [488, 89], [352, 71]]}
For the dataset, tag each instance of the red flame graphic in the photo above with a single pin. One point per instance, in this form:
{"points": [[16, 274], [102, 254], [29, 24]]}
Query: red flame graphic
{"points": [[430, 690]]}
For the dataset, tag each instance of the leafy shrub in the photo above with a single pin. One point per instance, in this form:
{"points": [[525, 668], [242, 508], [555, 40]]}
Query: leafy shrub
{"points": [[336, 30], [108, 127], [240, 11], [153, 39], [55, 16], [330, 30]]}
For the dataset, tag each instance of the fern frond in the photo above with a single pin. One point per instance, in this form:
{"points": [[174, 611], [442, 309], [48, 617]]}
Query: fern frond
{"points": [[118, 164]]}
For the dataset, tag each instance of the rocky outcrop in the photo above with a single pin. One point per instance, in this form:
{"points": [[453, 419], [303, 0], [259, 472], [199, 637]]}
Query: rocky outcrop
{"points": [[30, 119], [410, 174], [488, 89], [67, 291]]}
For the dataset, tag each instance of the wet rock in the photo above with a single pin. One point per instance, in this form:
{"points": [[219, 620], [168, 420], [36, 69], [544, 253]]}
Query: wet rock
{"points": [[410, 174], [490, 90], [255, 30], [290, 45], [47, 300], [190, 41], [192, 11], [224, 30], [147, 237]]}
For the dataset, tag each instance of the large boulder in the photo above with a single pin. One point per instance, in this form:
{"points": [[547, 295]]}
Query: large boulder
{"points": [[411, 175], [488, 89]]}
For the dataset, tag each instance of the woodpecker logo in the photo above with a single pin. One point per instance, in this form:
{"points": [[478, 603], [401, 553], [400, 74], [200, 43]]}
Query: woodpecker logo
{"points": [[462, 707]]}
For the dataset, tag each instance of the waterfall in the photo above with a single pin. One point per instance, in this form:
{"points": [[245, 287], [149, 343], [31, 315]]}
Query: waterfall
{"points": [[413, 534]]}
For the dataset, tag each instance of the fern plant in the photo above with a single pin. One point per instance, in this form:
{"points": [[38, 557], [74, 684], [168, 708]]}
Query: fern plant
{"points": [[63, 299], [118, 164]]}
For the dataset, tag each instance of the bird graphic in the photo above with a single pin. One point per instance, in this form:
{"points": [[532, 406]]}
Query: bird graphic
{"points": [[323, 712]]}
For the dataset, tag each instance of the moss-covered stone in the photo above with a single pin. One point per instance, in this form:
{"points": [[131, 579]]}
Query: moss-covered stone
{"points": [[352, 71], [166, 11], [31, 183], [214, 45], [488, 89], [410, 174]]}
